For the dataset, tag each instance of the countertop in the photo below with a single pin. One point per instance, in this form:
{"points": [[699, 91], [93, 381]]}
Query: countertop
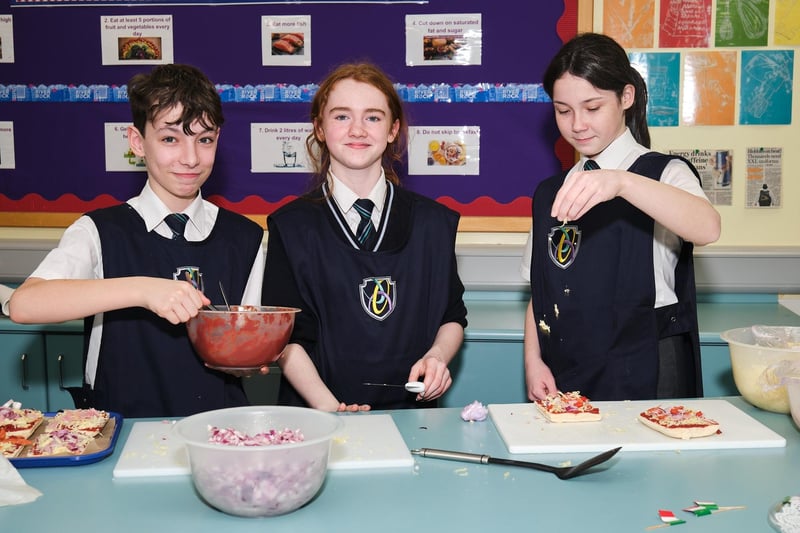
{"points": [[624, 495]]}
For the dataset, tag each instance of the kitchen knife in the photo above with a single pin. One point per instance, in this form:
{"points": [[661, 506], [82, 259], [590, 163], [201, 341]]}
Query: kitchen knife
{"points": [[411, 386]]}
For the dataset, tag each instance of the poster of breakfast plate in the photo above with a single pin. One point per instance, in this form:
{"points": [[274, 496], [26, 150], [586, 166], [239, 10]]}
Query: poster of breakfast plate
{"points": [[136, 39], [452, 150]]}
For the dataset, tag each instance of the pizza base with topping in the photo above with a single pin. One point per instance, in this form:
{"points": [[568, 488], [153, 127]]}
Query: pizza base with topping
{"points": [[679, 422], [19, 422], [568, 407], [12, 446], [86, 421], [69, 432], [59, 442]]}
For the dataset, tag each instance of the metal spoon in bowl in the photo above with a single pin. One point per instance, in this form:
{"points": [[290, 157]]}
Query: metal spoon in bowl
{"points": [[224, 298], [563, 472]]}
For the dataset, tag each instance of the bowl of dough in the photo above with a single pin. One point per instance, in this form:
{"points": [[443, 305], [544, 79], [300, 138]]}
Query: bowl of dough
{"points": [[765, 360], [258, 461], [242, 336]]}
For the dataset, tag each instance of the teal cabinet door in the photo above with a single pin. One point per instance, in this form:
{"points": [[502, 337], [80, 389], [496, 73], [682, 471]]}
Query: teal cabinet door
{"points": [[22, 369], [717, 373], [487, 371], [64, 368]]}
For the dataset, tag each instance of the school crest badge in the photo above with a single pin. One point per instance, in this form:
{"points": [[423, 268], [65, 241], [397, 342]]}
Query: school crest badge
{"points": [[191, 274], [378, 296], [563, 244]]}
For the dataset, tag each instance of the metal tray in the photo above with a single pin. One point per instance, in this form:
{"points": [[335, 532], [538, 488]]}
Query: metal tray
{"points": [[72, 460]]}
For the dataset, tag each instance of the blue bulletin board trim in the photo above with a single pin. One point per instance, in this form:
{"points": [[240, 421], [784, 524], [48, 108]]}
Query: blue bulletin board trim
{"points": [[434, 93]]}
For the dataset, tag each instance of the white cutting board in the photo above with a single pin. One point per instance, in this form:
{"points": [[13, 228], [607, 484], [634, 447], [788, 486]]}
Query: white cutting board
{"points": [[369, 441], [365, 441], [525, 430]]}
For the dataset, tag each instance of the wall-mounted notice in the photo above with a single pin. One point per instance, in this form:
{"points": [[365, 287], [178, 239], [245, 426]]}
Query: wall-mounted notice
{"points": [[766, 87], [630, 23], [279, 147], [119, 157], [741, 23], [444, 150], [139, 39], [662, 72], [787, 23], [286, 41], [764, 177], [715, 167], [709, 88], [441, 40], [7, 145], [6, 39], [685, 24]]}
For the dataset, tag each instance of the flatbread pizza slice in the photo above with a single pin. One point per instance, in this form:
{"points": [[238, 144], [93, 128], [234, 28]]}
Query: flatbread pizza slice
{"points": [[60, 442], [87, 421], [11, 447], [19, 422], [568, 407], [679, 422]]}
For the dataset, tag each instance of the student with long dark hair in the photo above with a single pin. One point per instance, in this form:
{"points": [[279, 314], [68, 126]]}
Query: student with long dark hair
{"points": [[613, 304]]}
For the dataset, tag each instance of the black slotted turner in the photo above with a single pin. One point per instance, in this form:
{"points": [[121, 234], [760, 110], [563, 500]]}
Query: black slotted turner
{"points": [[563, 472]]}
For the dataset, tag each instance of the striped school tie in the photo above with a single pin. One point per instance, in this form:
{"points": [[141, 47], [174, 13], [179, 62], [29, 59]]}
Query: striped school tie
{"points": [[177, 223], [365, 233], [590, 164]]}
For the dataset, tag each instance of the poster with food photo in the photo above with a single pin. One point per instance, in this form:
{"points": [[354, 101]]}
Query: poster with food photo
{"points": [[138, 48], [136, 39], [286, 40], [440, 40], [444, 150]]}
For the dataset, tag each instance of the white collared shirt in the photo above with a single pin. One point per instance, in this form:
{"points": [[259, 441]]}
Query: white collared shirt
{"points": [[622, 153], [5, 297], [79, 254], [345, 198]]}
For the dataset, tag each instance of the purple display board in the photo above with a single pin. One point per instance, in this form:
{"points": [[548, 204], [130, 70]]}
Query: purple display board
{"points": [[59, 146]]}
